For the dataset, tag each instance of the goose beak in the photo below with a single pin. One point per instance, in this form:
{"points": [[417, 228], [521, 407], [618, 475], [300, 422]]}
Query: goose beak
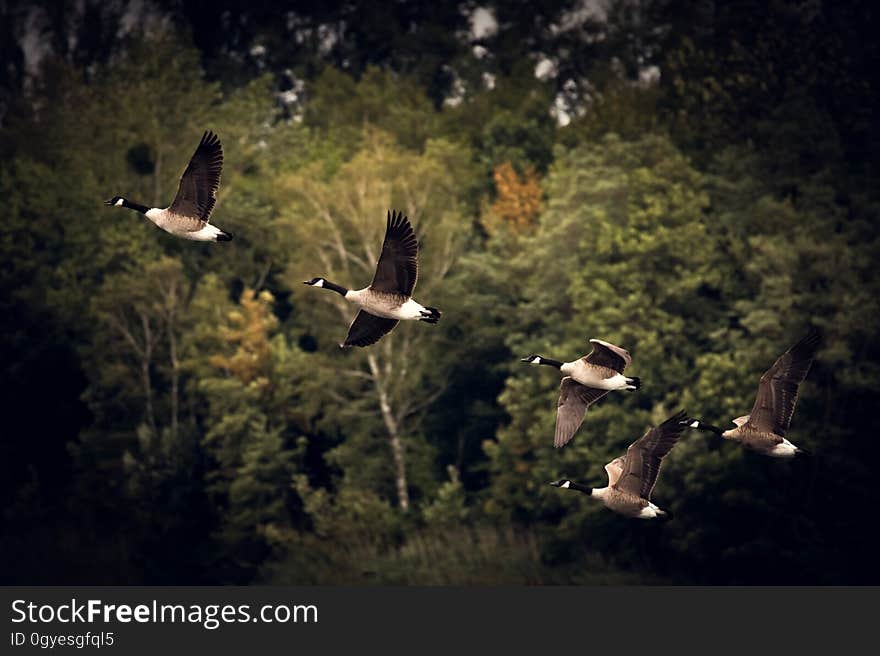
{"points": [[108, 202]]}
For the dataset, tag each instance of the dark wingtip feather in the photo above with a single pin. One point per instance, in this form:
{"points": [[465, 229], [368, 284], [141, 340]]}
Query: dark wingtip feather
{"points": [[811, 340], [399, 227], [210, 138], [679, 418], [397, 219]]}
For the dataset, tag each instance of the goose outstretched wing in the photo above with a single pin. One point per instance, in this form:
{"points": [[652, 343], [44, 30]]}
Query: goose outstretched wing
{"points": [[398, 265], [608, 355], [778, 389], [642, 461], [574, 399], [367, 329], [197, 191]]}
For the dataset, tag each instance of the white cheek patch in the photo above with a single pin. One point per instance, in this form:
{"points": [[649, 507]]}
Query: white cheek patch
{"points": [[119, 202], [566, 485], [320, 282], [695, 424], [536, 360]]}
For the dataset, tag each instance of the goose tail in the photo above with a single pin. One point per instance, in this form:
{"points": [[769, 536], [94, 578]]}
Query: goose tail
{"points": [[664, 515], [433, 315]]}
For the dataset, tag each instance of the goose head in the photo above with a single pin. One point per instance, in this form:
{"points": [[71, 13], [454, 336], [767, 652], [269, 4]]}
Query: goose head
{"points": [[562, 482], [531, 359], [315, 282], [116, 201]]}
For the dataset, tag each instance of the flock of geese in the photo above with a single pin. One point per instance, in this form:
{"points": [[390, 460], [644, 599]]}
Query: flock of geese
{"points": [[387, 300]]}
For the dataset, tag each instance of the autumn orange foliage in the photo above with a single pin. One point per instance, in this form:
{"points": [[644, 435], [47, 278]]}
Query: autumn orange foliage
{"points": [[249, 329], [517, 199]]}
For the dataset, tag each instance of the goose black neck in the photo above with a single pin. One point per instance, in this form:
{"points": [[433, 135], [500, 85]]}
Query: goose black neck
{"points": [[709, 428], [550, 362], [339, 289], [586, 489], [134, 206]]}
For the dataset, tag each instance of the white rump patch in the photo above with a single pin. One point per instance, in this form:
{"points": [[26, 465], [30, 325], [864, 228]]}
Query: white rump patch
{"points": [[784, 450], [616, 382], [208, 233], [410, 311], [649, 512]]}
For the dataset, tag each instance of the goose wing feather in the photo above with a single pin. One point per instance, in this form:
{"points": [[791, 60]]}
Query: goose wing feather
{"points": [[778, 388], [608, 355], [197, 191], [574, 399], [644, 456], [398, 265], [367, 329]]}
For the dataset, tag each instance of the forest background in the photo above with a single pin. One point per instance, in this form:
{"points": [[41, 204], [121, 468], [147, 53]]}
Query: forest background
{"points": [[696, 182]]}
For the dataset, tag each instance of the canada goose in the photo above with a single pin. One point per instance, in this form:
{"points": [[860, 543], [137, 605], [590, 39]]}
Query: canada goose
{"points": [[763, 429], [631, 477], [588, 379], [188, 215], [388, 299]]}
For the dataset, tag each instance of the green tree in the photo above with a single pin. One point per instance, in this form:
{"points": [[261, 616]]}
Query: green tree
{"points": [[626, 257], [251, 385], [339, 223]]}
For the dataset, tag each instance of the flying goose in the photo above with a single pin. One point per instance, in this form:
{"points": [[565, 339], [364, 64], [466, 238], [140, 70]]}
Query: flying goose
{"points": [[188, 215], [763, 429], [588, 379], [631, 477], [388, 299]]}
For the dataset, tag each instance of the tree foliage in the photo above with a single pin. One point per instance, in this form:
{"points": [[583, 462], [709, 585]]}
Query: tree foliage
{"points": [[692, 182]]}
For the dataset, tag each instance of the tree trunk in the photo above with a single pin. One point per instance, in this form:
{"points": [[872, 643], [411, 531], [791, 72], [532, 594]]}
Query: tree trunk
{"points": [[175, 378], [145, 372], [393, 429]]}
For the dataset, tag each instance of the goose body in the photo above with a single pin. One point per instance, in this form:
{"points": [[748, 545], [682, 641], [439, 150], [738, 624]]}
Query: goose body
{"points": [[586, 380], [388, 299], [763, 429], [765, 442], [632, 476], [598, 376], [188, 215], [627, 504], [385, 305], [170, 222]]}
